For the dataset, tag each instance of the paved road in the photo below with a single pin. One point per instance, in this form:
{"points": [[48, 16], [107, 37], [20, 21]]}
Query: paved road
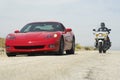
{"points": [[84, 65]]}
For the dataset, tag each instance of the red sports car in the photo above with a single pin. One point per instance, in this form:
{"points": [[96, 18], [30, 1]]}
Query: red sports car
{"points": [[41, 37]]}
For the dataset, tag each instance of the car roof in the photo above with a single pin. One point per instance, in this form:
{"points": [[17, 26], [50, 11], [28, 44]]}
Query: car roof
{"points": [[45, 22]]}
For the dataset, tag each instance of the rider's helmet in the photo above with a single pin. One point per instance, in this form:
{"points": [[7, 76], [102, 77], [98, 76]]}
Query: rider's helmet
{"points": [[102, 24]]}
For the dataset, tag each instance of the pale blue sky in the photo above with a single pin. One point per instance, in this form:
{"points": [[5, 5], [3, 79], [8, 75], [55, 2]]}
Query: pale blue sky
{"points": [[81, 15]]}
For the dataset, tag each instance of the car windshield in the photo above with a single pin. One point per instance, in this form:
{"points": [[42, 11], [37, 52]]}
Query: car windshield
{"points": [[38, 27]]}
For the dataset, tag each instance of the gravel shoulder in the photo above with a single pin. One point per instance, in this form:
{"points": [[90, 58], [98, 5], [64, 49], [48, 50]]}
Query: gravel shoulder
{"points": [[84, 65]]}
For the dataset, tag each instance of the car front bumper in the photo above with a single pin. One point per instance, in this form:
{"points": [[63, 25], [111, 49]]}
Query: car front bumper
{"points": [[35, 46]]}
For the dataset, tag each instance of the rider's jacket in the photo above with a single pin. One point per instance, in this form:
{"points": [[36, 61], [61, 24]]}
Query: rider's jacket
{"points": [[104, 29]]}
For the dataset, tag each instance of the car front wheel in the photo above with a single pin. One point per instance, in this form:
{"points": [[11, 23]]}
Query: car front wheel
{"points": [[61, 47], [72, 50], [10, 54]]}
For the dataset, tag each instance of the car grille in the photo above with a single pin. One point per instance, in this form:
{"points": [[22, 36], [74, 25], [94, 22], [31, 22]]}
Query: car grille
{"points": [[28, 47]]}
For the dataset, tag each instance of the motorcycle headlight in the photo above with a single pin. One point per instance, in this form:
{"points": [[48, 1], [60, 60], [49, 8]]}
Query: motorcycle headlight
{"points": [[100, 35]]}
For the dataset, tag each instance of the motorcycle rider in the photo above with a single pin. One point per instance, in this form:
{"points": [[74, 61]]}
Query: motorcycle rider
{"points": [[103, 28]]}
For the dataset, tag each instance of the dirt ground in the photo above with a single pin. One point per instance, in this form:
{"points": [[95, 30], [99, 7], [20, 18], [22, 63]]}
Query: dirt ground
{"points": [[84, 65]]}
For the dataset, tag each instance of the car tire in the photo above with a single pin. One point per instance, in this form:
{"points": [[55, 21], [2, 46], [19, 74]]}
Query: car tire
{"points": [[10, 54], [72, 50], [31, 54], [100, 47], [61, 47]]}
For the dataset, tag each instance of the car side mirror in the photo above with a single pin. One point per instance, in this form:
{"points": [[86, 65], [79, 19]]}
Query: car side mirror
{"points": [[16, 31], [94, 30], [68, 30]]}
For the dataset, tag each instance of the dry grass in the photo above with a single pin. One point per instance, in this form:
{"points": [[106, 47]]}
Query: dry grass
{"points": [[2, 42], [79, 47]]}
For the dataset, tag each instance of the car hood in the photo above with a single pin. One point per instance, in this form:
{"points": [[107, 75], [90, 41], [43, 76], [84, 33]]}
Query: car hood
{"points": [[33, 36]]}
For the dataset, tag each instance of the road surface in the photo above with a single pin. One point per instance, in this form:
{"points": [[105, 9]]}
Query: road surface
{"points": [[84, 65]]}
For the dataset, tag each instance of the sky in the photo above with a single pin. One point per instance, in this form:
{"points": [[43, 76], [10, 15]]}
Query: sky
{"points": [[80, 15]]}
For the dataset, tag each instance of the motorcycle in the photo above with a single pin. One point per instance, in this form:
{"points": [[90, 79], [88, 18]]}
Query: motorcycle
{"points": [[102, 43]]}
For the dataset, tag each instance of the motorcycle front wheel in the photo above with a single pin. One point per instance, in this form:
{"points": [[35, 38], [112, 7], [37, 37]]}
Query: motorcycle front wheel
{"points": [[104, 51], [100, 47]]}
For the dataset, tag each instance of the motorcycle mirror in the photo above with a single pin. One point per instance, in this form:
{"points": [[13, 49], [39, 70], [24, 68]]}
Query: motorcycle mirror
{"points": [[94, 30], [109, 29]]}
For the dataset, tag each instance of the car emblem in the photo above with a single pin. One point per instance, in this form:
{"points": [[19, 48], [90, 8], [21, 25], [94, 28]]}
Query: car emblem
{"points": [[30, 42]]}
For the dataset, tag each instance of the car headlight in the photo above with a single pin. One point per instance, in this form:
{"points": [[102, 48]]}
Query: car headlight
{"points": [[52, 36], [11, 37], [55, 35]]}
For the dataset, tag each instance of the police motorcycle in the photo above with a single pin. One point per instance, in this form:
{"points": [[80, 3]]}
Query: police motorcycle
{"points": [[102, 43]]}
